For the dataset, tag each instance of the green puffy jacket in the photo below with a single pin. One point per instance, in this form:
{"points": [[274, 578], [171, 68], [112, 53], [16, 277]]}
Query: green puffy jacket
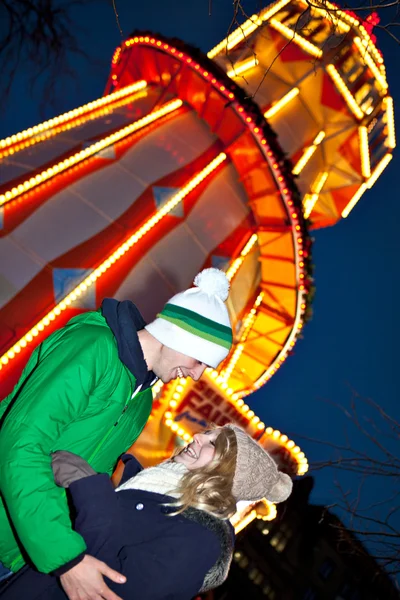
{"points": [[74, 394]]}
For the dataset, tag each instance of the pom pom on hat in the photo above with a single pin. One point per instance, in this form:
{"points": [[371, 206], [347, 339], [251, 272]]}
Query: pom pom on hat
{"points": [[256, 474], [213, 282], [196, 322]]}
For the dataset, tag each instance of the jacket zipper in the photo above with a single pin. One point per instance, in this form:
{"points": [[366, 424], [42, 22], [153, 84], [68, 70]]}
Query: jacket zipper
{"points": [[107, 435]]}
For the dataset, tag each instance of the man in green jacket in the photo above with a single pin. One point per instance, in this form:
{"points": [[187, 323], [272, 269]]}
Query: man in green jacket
{"points": [[87, 389]]}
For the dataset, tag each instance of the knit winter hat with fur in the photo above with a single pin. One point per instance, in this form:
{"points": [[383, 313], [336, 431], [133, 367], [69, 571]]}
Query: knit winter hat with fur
{"points": [[196, 322], [256, 474]]}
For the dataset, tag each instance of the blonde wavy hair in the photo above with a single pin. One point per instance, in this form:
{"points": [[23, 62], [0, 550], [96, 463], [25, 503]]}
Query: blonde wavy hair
{"points": [[209, 488]]}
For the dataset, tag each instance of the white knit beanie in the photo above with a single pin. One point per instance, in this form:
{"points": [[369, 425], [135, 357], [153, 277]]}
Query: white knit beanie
{"points": [[196, 322], [256, 473]]}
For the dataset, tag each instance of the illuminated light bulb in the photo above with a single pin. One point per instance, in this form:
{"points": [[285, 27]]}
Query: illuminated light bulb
{"points": [[284, 438], [279, 104], [260, 426], [4, 360], [276, 434], [378, 170], [346, 211], [180, 431], [10, 354], [294, 37], [296, 450], [186, 437], [173, 403], [290, 444], [168, 422], [255, 420], [391, 136], [250, 414], [23, 343], [364, 151], [344, 91], [174, 427], [35, 332], [369, 61], [269, 430]]}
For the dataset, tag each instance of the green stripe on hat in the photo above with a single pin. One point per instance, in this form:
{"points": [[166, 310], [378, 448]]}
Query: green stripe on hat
{"points": [[197, 325]]}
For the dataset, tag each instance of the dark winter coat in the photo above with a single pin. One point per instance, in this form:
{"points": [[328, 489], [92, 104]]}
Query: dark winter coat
{"points": [[163, 557]]}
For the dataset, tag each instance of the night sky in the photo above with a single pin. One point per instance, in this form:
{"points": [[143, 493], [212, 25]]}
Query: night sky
{"points": [[351, 342]]}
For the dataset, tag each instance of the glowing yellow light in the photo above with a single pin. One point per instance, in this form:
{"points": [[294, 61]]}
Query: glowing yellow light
{"points": [[368, 43], [277, 106], [96, 147], [344, 91], [310, 200], [173, 403], [391, 135], [236, 36], [71, 115], [244, 66], [319, 182], [369, 61], [261, 425], [307, 154], [381, 166], [296, 38], [245, 521], [364, 151], [272, 10], [237, 263], [249, 245], [346, 211]]}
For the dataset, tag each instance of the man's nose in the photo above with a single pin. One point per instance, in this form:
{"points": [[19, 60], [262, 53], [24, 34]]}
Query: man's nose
{"points": [[198, 371]]}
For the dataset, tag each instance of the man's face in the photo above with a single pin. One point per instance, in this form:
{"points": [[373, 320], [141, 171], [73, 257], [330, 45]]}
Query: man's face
{"points": [[173, 365]]}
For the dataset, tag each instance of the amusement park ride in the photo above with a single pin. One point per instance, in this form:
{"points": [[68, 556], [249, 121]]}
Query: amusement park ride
{"points": [[188, 161]]}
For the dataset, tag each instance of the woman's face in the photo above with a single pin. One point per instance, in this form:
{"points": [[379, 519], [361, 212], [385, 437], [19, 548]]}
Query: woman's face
{"points": [[200, 452]]}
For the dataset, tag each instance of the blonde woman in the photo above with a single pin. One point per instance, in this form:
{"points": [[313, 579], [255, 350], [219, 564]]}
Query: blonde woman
{"points": [[165, 528]]}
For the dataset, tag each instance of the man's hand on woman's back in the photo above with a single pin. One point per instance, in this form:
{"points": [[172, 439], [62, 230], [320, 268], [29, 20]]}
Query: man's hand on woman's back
{"points": [[85, 580]]}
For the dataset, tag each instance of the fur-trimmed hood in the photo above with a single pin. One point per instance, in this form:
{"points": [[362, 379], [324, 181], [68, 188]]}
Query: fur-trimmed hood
{"points": [[224, 531]]}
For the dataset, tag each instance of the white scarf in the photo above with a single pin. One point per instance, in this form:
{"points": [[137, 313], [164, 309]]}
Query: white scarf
{"points": [[162, 479]]}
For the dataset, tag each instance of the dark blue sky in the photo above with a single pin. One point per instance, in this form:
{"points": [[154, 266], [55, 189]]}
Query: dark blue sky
{"points": [[352, 339]]}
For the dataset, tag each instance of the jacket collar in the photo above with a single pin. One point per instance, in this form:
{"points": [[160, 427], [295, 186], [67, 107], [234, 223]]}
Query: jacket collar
{"points": [[125, 320]]}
